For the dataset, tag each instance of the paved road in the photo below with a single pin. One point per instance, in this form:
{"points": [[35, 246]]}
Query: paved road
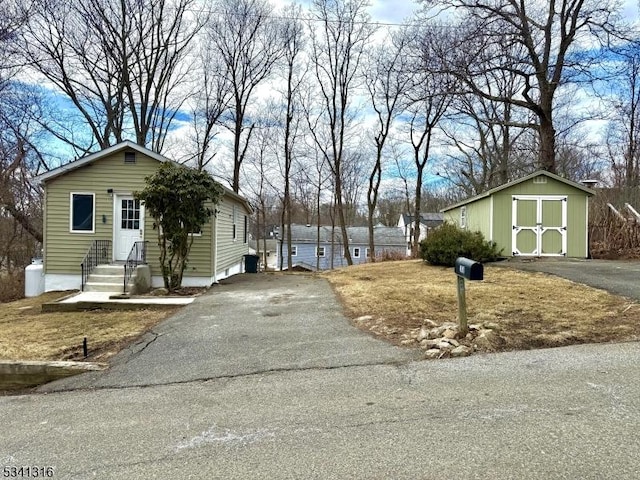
{"points": [[616, 276], [336, 404]]}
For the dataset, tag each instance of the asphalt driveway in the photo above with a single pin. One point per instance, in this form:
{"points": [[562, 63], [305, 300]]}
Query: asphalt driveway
{"points": [[246, 325], [621, 277]]}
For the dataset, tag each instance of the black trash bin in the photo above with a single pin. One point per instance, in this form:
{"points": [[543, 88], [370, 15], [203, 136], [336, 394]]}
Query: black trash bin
{"points": [[251, 263]]}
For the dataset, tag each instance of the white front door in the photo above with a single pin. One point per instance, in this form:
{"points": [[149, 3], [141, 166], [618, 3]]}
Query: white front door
{"points": [[128, 225], [539, 225]]}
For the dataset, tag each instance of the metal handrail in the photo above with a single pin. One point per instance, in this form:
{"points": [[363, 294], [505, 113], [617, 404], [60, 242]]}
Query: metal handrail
{"points": [[99, 252], [137, 256]]}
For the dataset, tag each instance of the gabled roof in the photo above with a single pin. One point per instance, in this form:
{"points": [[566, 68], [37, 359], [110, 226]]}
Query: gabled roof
{"points": [[393, 236], [537, 173], [430, 219], [126, 145]]}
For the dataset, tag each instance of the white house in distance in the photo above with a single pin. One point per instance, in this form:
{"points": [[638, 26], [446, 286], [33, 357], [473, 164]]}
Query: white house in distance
{"points": [[428, 221]]}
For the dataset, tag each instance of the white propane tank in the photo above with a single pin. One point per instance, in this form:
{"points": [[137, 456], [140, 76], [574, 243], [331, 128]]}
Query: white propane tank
{"points": [[34, 278]]}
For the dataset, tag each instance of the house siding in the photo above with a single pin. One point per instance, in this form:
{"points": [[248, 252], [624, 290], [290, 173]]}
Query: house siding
{"points": [[307, 254], [230, 251], [64, 251]]}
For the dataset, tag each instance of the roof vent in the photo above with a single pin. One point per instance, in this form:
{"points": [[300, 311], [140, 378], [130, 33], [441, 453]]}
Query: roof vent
{"points": [[540, 179], [589, 183], [129, 158]]}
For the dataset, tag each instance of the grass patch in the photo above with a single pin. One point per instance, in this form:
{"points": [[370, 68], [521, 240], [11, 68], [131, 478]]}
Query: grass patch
{"points": [[529, 310], [28, 334]]}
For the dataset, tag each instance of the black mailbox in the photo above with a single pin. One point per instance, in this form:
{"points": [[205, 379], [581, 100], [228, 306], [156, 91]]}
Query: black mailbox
{"points": [[469, 269]]}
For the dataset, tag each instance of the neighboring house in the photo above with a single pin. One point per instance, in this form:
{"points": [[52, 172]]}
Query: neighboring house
{"points": [[268, 257], [541, 214], [428, 221], [307, 251], [89, 202]]}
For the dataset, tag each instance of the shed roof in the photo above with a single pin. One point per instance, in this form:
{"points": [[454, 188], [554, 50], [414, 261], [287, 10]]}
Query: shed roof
{"points": [[537, 173], [126, 145]]}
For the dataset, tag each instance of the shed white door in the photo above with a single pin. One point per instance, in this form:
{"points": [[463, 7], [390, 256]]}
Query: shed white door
{"points": [[128, 225], [539, 225]]}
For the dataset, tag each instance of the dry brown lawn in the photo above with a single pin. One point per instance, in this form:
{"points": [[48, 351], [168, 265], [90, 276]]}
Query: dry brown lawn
{"points": [[529, 310], [28, 334]]}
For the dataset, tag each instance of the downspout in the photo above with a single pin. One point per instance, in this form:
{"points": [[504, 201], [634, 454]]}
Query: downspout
{"points": [[215, 246]]}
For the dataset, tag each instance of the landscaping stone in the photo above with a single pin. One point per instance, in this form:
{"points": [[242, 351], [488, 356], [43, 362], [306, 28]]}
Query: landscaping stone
{"points": [[435, 332], [450, 333], [429, 323], [486, 339], [422, 334], [491, 326], [430, 343], [432, 353], [364, 318], [461, 351]]}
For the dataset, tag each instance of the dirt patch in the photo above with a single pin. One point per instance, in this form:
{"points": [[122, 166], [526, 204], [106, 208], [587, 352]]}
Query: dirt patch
{"points": [[527, 309]]}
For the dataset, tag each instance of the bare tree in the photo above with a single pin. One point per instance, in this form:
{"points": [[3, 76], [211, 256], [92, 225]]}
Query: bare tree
{"points": [[245, 36], [485, 135], [340, 32], [261, 168], [387, 80], [428, 100], [550, 36], [623, 132], [120, 64], [208, 105], [293, 36], [19, 159]]}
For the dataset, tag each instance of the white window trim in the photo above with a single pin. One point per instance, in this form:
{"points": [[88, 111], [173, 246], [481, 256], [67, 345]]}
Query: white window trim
{"points": [[294, 250], [245, 230], [366, 252], [93, 223], [234, 225], [354, 252], [463, 216], [324, 252]]}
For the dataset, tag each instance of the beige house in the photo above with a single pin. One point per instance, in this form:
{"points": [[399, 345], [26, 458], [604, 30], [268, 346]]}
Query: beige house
{"points": [[90, 212]]}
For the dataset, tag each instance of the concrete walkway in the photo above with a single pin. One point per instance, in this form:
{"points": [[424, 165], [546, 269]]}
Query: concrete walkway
{"points": [[252, 323], [103, 297]]}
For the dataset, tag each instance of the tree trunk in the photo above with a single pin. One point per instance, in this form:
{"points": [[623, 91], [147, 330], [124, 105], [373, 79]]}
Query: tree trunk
{"points": [[372, 199], [546, 159], [343, 224]]}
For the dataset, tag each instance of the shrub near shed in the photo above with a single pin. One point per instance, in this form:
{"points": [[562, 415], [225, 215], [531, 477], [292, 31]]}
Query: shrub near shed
{"points": [[449, 242]]}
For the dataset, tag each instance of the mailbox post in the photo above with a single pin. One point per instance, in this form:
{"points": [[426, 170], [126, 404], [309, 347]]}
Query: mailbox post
{"points": [[466, 268]]}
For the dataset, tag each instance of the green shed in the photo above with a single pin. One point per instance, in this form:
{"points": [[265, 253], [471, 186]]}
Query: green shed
{"points": [[540, 215]]}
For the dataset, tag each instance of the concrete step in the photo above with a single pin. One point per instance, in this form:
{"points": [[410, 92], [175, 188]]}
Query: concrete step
{"points": [[106, 278], [108, 270], [99, 278], [103, 287]]}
